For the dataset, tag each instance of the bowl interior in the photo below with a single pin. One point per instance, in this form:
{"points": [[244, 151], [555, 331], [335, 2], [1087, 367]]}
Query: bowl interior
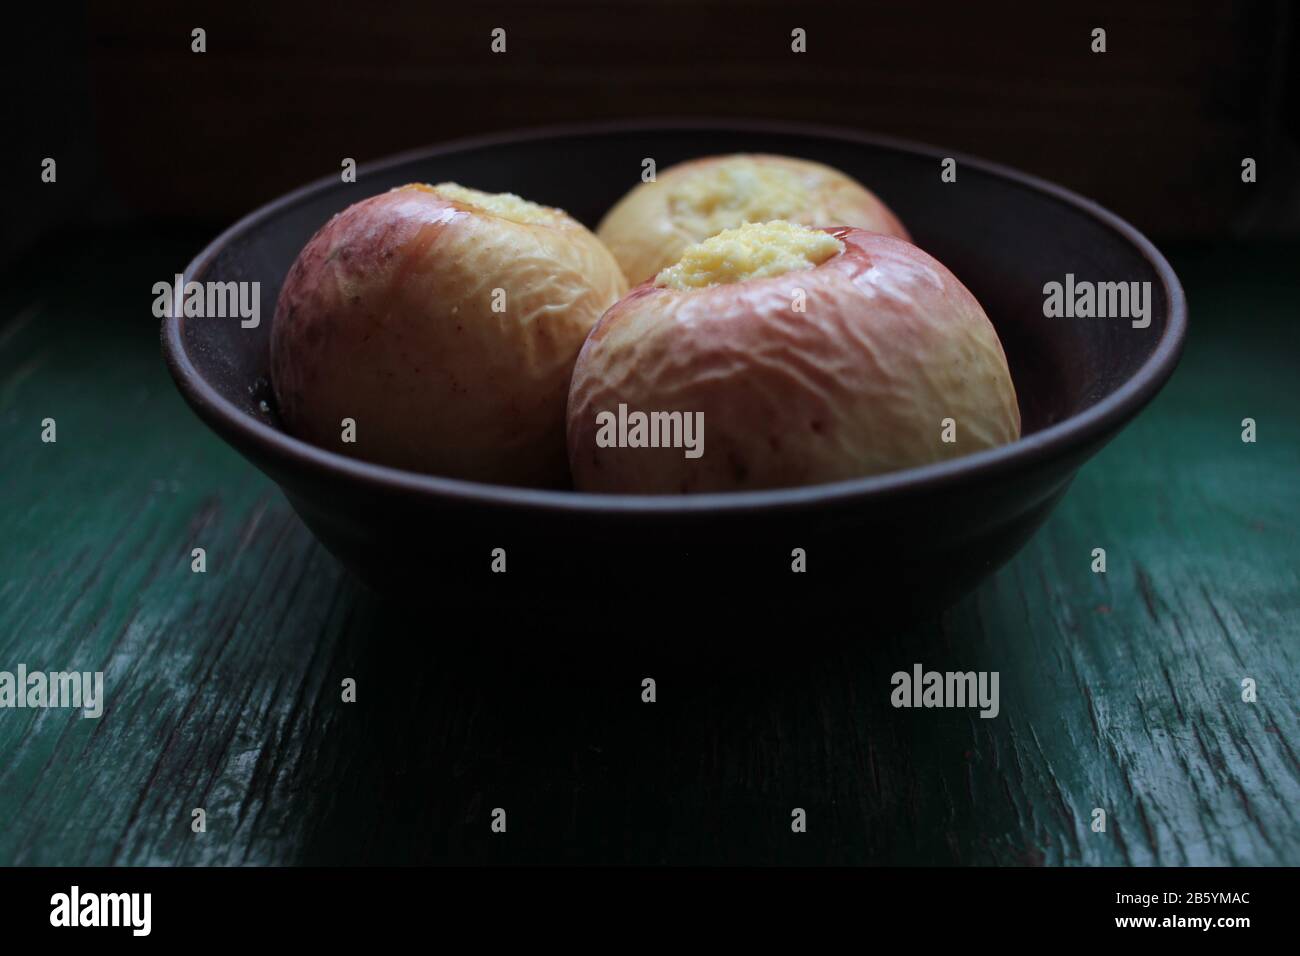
{"points": [[1003, 237]]}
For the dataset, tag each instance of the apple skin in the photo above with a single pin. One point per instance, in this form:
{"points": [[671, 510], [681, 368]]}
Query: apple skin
{"points": [[385, 318], [646, 232], [890, 344]]}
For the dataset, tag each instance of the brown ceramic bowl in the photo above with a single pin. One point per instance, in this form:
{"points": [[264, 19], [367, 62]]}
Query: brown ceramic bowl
{"points": [[889, 544]]}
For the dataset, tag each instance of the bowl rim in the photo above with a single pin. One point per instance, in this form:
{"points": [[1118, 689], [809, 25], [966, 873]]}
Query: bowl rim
{"points": [[260, 441]]}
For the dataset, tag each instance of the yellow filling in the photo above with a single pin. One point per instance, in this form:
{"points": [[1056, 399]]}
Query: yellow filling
{"points": [[753, 251], [503, 205], [734, 191]]}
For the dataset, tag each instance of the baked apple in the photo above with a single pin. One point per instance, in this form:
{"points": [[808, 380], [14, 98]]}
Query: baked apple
{"points": [[650, 227], [776, 355], [444, 322]]}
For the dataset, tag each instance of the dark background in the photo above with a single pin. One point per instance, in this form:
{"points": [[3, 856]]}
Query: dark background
{"points": [[1155, 128], [1118, 690]]}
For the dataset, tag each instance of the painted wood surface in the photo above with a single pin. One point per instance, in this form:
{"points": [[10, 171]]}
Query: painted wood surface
{"points": [[1119, 691]]}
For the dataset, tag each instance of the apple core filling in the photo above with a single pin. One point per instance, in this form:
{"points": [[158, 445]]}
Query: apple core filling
{"points": [[502, 205], [751, 251], [735, 191]]}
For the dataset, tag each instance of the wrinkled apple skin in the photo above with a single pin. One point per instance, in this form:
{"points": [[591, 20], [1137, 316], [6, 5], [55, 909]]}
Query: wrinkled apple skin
{"points": [[890, 344], [386, 318], [646, 234]]}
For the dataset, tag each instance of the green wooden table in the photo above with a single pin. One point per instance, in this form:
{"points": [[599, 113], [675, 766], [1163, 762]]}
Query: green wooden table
{"points": [[1120, 691]]}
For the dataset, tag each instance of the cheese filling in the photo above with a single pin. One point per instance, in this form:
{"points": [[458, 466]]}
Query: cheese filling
{"points": [[736, 191], [502, 205], [752, 251]]}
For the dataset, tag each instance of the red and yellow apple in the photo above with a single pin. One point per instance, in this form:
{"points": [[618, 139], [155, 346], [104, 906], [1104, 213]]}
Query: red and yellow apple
{"points": [[444, 322], [650, 227], [807, 356]]}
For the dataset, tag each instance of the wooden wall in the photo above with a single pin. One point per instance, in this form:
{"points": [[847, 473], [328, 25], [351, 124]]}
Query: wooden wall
{"points": [[1155, 128]]}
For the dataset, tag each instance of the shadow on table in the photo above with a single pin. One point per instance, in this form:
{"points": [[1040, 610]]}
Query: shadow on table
{"points": [[540, 711]]}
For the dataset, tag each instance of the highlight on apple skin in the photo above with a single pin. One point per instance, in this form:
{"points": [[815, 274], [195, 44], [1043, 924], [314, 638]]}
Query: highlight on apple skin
{"points": [[650, 227], [445, 323], [889, 356]]}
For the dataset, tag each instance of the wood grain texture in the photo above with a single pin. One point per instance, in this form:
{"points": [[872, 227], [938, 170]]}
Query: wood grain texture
{"points": [[1118, 691]]}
